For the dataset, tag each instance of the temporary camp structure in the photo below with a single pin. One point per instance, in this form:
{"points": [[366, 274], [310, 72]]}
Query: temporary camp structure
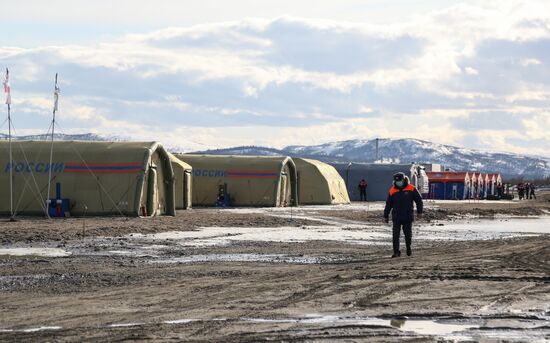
{"points": [[473, 185], [319, 183], [379, 178], [497, 183], [449, 185], [243, 180], [487, 185], [93, 178], [498, 179], [182, 182], [492, 189], [480, 185]]}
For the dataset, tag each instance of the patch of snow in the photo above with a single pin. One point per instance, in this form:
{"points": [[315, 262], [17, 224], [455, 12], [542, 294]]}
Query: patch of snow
{"points": [[42, 328], [262, 258], [43, 252], [179, 321]]}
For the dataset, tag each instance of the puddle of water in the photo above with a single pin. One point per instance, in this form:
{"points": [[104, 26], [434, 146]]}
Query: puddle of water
{"points": [[314, 319], [123, 325], [155, 245], [514, 225], [356, 206], [179, 321], [43, 252], [267, 258], [353, 234], [209, 236], [421, 327], [265, 320], [429, 327], [485, 261], [129, 253], [515, 329]]}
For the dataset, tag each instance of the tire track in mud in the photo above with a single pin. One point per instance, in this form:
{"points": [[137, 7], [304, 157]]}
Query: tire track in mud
{"points": [[504, 300]]}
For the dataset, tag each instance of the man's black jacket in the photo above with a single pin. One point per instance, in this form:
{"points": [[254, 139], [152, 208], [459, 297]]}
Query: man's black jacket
{"points": [[400, 203]]}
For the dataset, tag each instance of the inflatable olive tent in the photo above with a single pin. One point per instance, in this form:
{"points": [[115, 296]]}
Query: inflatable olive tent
{"points": [[93, 178], [182, 182], [319, 183], [248, 180]]}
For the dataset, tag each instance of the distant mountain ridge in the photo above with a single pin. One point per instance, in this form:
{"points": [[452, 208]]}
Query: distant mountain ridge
{"points": [[407, 151], [389, 150], [66, 137]]}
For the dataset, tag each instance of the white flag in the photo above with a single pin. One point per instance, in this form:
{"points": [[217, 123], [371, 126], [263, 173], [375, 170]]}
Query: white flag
{"points": [[7, 88], [55, 95]]}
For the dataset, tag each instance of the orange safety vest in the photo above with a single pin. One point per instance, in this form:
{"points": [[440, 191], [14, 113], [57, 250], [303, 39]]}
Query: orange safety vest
{"points": [[409, 188]]}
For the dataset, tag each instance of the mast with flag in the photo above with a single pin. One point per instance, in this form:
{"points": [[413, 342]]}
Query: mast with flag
{"points": [[7, 91], [55, 104]]}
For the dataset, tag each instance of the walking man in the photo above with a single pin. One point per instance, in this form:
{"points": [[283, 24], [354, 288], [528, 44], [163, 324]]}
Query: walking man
{"points": [[363, 190], [400, 203]]}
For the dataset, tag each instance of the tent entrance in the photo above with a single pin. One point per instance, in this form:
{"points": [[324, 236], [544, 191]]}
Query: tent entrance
{"points": [[284, 191], [187, 189], [152, 191]]}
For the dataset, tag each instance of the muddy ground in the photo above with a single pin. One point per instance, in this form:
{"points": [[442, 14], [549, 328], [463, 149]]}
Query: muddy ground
{"points": [[213, 282]]}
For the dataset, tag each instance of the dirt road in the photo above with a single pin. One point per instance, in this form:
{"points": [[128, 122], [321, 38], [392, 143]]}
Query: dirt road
{"points": [[221, 278]]}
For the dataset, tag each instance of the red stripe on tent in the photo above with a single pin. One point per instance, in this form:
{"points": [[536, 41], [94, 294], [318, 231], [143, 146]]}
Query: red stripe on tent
{"points": [[252, 171], [91, 165], [253, 176], [95, 171]]}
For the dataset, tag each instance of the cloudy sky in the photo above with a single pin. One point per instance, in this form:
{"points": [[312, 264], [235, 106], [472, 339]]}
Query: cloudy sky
{"points": [[207, 73]]}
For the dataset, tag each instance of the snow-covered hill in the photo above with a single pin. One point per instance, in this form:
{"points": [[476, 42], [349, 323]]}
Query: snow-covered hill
{"points": [[246, 151], [411, 150]]}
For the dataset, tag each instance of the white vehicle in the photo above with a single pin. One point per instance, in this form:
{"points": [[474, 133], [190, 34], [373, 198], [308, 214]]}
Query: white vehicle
{"points": [[422, 182]]}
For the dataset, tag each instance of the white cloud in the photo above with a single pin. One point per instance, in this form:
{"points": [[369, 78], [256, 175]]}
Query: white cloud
{"points": [[529, 62], [471, 71], [294, 80]]}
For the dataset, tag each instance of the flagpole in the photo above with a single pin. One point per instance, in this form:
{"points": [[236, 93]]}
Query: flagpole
{"points": [[7, 90], [56, 97], [11, 161]]}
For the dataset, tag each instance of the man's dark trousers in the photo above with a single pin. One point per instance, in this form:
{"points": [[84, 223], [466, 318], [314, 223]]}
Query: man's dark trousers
{"points": [[407, 230]]}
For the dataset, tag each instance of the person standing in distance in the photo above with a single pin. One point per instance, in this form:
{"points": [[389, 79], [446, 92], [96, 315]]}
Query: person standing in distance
{"points": [[400, 203], [363, 190], [532, 194]]}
